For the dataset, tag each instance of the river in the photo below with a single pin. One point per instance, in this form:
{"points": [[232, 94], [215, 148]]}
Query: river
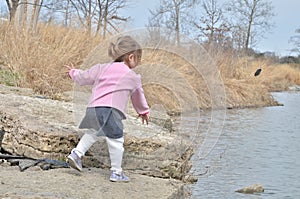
{"points": [[258, 145]]}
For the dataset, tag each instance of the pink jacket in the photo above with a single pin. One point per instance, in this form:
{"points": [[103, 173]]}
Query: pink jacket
{"points": [[112, 85]]}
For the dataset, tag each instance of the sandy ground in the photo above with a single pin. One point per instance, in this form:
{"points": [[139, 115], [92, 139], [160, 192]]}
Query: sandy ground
{"points": [[69, 183]]}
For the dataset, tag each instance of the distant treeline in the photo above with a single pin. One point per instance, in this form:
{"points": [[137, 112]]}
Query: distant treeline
{"points": [[288, 59]]}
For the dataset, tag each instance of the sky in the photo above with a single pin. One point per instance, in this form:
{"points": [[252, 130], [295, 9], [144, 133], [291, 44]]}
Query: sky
{"points": [[286, 19]]}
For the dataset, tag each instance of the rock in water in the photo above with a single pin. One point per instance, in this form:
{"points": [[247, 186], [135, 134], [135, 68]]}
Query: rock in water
{"points": [[255, 188]]}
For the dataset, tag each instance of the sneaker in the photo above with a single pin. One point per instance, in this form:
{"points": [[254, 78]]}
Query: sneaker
{"points": [[74, 161], [115, 177]]}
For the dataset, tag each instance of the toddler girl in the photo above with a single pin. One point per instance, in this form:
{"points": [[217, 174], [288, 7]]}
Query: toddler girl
{"points": [[112, 84]]}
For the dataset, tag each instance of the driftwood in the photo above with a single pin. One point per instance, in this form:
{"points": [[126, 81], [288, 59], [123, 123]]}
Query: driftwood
{"points": [[27, 162], [1, 137]]}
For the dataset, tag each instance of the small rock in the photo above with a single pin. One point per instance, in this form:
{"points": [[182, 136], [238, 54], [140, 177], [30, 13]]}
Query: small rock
{"points": [[255, 188], [190, 179]]}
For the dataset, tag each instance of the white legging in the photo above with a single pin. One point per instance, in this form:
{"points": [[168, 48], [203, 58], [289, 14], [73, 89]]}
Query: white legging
{"points": [[115, 148]]}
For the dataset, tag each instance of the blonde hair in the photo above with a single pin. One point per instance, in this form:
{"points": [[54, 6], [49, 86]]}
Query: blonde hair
{"points": [[123, 47]]}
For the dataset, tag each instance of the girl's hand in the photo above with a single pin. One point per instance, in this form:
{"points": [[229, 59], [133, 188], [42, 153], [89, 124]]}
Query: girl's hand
{"points": [[145, 118], [69, 67]]}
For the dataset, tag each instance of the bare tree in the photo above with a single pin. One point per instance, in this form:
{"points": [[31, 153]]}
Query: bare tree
{"points": [[103, 13], [12, 8], [85, 10], [37, 5], [103, 16], [171, 14], [27, 10], [55, 11], [211, 23], [108, 15], [296, 41], [67, 12], [252, 18]]}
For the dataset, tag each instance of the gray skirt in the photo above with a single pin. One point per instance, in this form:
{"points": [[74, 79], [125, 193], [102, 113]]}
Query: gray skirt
{"points": [[106, 121]]}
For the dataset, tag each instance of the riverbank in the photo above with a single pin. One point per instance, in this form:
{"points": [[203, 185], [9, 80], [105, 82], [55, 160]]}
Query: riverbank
{"points": [[155, 158], [92, 183]]}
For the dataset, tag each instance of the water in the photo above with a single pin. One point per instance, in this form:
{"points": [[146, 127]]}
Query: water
{"points": [[259, 145]]}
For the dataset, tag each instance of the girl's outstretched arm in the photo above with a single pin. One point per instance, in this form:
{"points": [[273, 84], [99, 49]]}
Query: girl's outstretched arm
{"points": [[83, 77]]}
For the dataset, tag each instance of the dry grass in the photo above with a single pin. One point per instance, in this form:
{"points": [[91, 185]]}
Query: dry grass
{"points": [[242, 93], [36, 60], [173, 82], [243, 89], [39, 58], [280, 77]]}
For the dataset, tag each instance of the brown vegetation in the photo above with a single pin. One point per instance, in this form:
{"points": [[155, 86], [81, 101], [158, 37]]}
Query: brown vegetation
{"points": [[36, 60]]}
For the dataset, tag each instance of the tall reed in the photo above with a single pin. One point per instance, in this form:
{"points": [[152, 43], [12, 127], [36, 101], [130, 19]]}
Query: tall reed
{"points": [[39, 57]]}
